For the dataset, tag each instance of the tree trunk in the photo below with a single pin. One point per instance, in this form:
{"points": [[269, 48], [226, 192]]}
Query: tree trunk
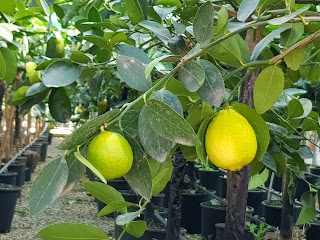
{"points": [[237, 183], [176, 184], [287, 219]]}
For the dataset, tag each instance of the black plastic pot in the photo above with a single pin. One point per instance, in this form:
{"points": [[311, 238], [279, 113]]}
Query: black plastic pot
{"points": [[119, 184], [150, 233], [32, 159], [315, 170], [191, 211], [44, 149], [303, 187], [28, 174], [313, 231], [272, 213], [20, 169], [8, 177], [255, 197], [222, 187], [36, 148], [21, 159], [90, 174], [8, 200], [210, 216], [277, 183], [220, 232], [129, 196], [209, 178]]}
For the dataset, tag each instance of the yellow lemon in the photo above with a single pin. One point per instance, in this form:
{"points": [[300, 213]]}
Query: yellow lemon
{"points": [[33, 75], [111, 154], [230, 141]]}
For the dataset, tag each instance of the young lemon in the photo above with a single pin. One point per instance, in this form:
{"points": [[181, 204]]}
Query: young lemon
{"points": [[111, 154], [230, 141]]}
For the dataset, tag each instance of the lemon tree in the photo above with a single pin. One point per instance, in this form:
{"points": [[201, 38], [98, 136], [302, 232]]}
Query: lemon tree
{"points": [[168, 71]]}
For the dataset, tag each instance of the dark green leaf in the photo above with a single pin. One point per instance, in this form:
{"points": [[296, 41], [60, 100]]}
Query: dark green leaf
{"points": [[160, 181], [48, 186], [35, 89], [8, 62], [133, 52], [87, 131], [201, 150], [136, 228], [169, 124], [129, 123], [20, 95], [192, 76], [131, 71], [294, 58], [295, 109], [158, 29], [59, 105], [139, 176], [292, 35], [60, 73], [203, 24], [94, 15], [259, 179], [168, 98], [258, 125], [79, 57], [282, 20], [74, 231], [212, 90]]}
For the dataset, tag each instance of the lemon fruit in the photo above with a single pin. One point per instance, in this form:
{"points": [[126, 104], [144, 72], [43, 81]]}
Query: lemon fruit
{"points": [[111, 154], [33, 75], [230, 141]]}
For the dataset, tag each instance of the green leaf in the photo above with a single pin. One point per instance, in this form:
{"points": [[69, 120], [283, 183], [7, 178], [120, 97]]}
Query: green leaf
{"points": [[5, 33], [59, 105], [48, 186], [163, 12], [212, 90], [171, 3], [74, 231], [157, 147], [115, 206], [292, 35], [131, 71], [79, 57], [35, 89], [222, 20], [246, 8], [94, 15], [133, 52], [153, 64], [201, 149], [8, 7], [258, 125], [294, 58], [22, 14], [258, 179], [267, 89], [60, 74], [129, 123], [307, 107], [158, 29], [295, 109], [76, 171], [85, 162], [203, 24], [168, 98], [230, 51], [124, 219], [139, 177], [20, 95], [87, 131], [169, 124], [8, 62], [103, 192], [192, 76], [197, 113], [136, 228], [136, 10], [282, 20], [160, 181], [59, 11], [308, 212], [265, 41]]}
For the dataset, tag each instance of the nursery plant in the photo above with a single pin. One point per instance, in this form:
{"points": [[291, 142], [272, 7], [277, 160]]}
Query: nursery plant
{"points": [[179, 66]]}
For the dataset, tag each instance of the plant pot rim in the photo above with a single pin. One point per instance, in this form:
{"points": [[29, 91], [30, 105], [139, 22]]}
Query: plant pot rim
{"points": [[217, 207], [186, 192], [9, 173], [208, 170], [9, 188], [16, 164]]}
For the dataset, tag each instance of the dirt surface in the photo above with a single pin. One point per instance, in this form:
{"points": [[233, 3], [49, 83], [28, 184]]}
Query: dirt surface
{"points": [[76, 206]]}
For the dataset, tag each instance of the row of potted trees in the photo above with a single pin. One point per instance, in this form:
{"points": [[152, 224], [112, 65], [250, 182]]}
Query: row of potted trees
{"points": [[15, 171]]}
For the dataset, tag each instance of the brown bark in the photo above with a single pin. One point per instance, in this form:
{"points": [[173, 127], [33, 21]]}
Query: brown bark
{"points": [[237, 184], [28, 128]]}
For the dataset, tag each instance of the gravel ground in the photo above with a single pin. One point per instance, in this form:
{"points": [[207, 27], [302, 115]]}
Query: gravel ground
{"points": [[75, 206]]}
